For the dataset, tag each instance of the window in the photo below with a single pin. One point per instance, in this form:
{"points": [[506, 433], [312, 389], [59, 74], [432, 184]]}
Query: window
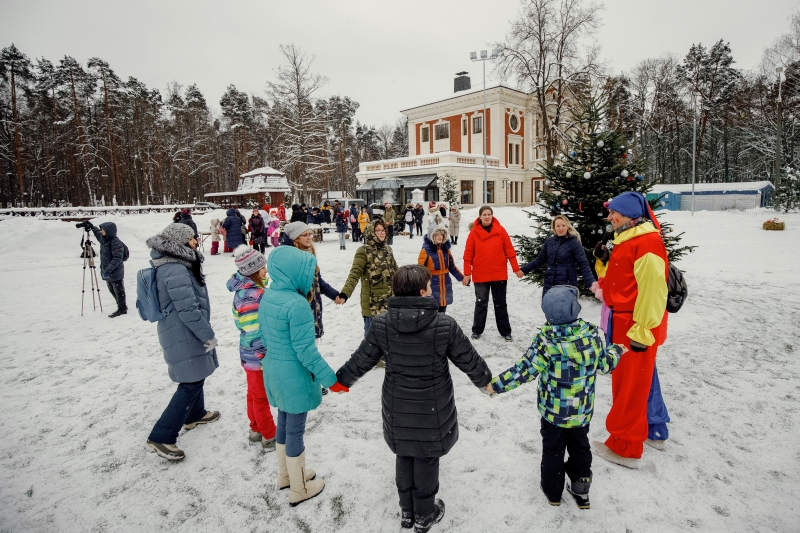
{"points": [[441, 131], [467, 192], [477, 125], [489, 192], [464, 127], [513, 122], [513, 153], [424, 135]]}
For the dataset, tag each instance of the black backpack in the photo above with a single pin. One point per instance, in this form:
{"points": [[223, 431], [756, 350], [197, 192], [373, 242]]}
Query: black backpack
{"points": [[677, 291]]}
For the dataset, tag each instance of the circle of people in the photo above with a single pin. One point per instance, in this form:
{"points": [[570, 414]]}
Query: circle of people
{"points": [[278, 309]]}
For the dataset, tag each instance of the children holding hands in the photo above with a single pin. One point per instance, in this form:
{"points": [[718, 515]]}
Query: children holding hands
{"points": [[565, 356]]}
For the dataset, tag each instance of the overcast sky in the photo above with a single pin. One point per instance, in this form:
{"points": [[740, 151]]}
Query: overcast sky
{"points": [[387, 55]]}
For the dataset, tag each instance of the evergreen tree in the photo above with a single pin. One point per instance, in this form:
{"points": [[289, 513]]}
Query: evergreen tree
{"points": [[787, 196], [596, 167], [448, 183]]}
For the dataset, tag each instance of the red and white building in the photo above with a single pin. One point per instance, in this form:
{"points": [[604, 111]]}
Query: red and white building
{"points": [[448, 135]]}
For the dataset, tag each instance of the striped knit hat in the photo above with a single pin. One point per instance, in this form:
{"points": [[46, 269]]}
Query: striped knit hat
{"points": [[248, 260]]}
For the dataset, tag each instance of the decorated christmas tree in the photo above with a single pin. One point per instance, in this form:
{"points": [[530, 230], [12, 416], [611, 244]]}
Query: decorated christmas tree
{"points": [[595, 167]]}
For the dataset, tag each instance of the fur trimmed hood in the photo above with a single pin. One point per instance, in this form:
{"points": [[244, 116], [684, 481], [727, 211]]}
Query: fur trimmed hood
{"points": [[168, 251]]}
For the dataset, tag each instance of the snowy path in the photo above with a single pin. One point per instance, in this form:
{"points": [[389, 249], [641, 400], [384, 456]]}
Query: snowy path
{"points": [[79, 396]]}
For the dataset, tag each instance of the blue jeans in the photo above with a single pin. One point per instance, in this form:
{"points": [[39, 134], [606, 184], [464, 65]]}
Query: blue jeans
{"points": [[186, 406], [410, 230], [341, 238], [367, 324], [291, 428]]}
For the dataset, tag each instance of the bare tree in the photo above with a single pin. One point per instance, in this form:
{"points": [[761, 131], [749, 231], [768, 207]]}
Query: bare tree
{"points": [[543, 53], [301, 139]]}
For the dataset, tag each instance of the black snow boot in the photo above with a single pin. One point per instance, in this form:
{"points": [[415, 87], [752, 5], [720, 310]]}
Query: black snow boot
{"points": [[555, 502], [423, 524], [406, 519], [118, 312], [580, 491]]}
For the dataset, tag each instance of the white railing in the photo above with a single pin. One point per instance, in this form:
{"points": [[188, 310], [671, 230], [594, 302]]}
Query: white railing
{"points": [[426, 160], [92, 212]]}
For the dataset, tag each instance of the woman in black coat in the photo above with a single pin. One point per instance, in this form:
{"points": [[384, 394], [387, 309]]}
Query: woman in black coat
{"points": [[563, 254], [186, 218], [420, 422]]}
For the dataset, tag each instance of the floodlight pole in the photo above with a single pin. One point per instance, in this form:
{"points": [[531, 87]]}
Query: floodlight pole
{"points": [[485, 124], [694, 143]]}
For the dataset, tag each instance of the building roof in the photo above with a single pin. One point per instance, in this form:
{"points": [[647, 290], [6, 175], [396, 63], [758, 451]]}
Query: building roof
{"points": [[419, 180], [265, 171], [459, 94], [707, 188]]}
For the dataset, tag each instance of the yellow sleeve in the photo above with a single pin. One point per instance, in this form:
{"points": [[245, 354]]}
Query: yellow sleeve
{"points": [[600, 268], [651, 301]]}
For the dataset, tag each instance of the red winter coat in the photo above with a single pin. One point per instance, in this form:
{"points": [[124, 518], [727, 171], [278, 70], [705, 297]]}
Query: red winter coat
{"points": [[486, 253]]}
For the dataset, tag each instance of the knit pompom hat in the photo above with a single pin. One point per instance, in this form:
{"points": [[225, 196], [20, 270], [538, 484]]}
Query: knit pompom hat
{"points": [[248, 260], [180, 233]]}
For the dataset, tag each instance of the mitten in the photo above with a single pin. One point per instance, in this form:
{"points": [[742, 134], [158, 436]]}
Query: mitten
{"points": [[210, 344], [637, 347], [601, 252], [339, 388], [343, 296]]}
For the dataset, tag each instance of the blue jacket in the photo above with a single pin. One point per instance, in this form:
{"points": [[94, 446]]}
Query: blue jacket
{"points": [[233, 229], [442, 266], [561, 255], [184, 330], [294, 370], [111, 252], [341, 219]]}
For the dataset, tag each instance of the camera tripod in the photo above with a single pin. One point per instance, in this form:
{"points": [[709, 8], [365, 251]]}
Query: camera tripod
{"points": [[88, 260]]}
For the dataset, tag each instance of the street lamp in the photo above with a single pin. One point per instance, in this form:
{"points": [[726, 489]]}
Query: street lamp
{"points": [[777, 170], [474, 57]]}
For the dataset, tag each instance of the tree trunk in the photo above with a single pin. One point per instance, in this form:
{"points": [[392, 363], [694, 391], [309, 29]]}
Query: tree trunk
{"points": [[17, 147]]}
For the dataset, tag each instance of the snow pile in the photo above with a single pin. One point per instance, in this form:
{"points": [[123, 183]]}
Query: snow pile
{"points": [[80, 395]]}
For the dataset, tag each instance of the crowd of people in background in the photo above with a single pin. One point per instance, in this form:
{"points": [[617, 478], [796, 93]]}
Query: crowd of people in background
{"points": [[278, 310]]}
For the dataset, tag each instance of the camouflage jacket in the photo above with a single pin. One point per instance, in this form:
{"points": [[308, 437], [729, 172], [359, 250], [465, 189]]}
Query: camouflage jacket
{"points": [[373, 265], [566, 358]]}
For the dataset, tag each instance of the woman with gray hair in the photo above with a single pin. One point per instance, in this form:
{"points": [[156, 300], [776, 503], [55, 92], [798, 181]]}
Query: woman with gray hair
{"points": [[185, 335]]}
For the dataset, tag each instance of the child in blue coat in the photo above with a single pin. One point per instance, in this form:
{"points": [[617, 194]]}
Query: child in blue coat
{"points": [[294, 370]]}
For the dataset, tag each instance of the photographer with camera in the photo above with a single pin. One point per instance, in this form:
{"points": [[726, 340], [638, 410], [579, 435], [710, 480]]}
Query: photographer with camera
{"points": [[113, 253]]}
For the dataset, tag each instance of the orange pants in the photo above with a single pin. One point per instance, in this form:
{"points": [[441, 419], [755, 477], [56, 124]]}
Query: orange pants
{"points": [[258, 405], [630, 387]]}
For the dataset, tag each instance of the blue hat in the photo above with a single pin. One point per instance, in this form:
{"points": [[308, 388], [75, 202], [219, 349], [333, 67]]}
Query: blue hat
{"points": [[630, 204], [560, 304]]}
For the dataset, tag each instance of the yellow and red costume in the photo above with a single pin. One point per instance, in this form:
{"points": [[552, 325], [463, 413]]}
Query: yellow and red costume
{"points": [[635, 289]]}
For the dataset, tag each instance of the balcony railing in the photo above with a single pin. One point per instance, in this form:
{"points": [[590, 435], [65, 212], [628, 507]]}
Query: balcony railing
{"points": [[441, 158]]}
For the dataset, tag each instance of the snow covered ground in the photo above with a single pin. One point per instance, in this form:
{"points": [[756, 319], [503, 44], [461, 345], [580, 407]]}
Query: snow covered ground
{"points": [[80, 394]]}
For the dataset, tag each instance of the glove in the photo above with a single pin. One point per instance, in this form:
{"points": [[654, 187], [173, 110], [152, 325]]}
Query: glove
{"points": [[343, 296], [87, 224], [339, 388], [637, 347], [210, 344], [601, 252]]}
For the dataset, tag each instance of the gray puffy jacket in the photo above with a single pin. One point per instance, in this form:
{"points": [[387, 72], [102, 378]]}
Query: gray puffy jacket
{"points": [[186, 328]]}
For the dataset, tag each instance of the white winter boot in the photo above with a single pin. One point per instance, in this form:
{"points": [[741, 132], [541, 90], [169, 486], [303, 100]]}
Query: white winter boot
{"points": [[612, 457], [659, 445], [283, 473], [301, 490]]}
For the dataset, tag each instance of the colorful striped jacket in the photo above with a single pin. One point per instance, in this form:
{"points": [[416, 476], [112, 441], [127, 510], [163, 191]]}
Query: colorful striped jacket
{"points": [[566, 359], [246, 299]]}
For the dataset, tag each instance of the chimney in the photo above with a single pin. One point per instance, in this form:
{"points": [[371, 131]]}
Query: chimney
{"points": [[461, 82]]}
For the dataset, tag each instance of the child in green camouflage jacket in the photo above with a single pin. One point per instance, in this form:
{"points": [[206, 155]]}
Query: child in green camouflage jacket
{"points": [[566, 355]]}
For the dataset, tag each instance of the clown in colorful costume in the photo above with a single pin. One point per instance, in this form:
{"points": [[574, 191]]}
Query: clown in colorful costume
{"points": [[635, 289]]}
